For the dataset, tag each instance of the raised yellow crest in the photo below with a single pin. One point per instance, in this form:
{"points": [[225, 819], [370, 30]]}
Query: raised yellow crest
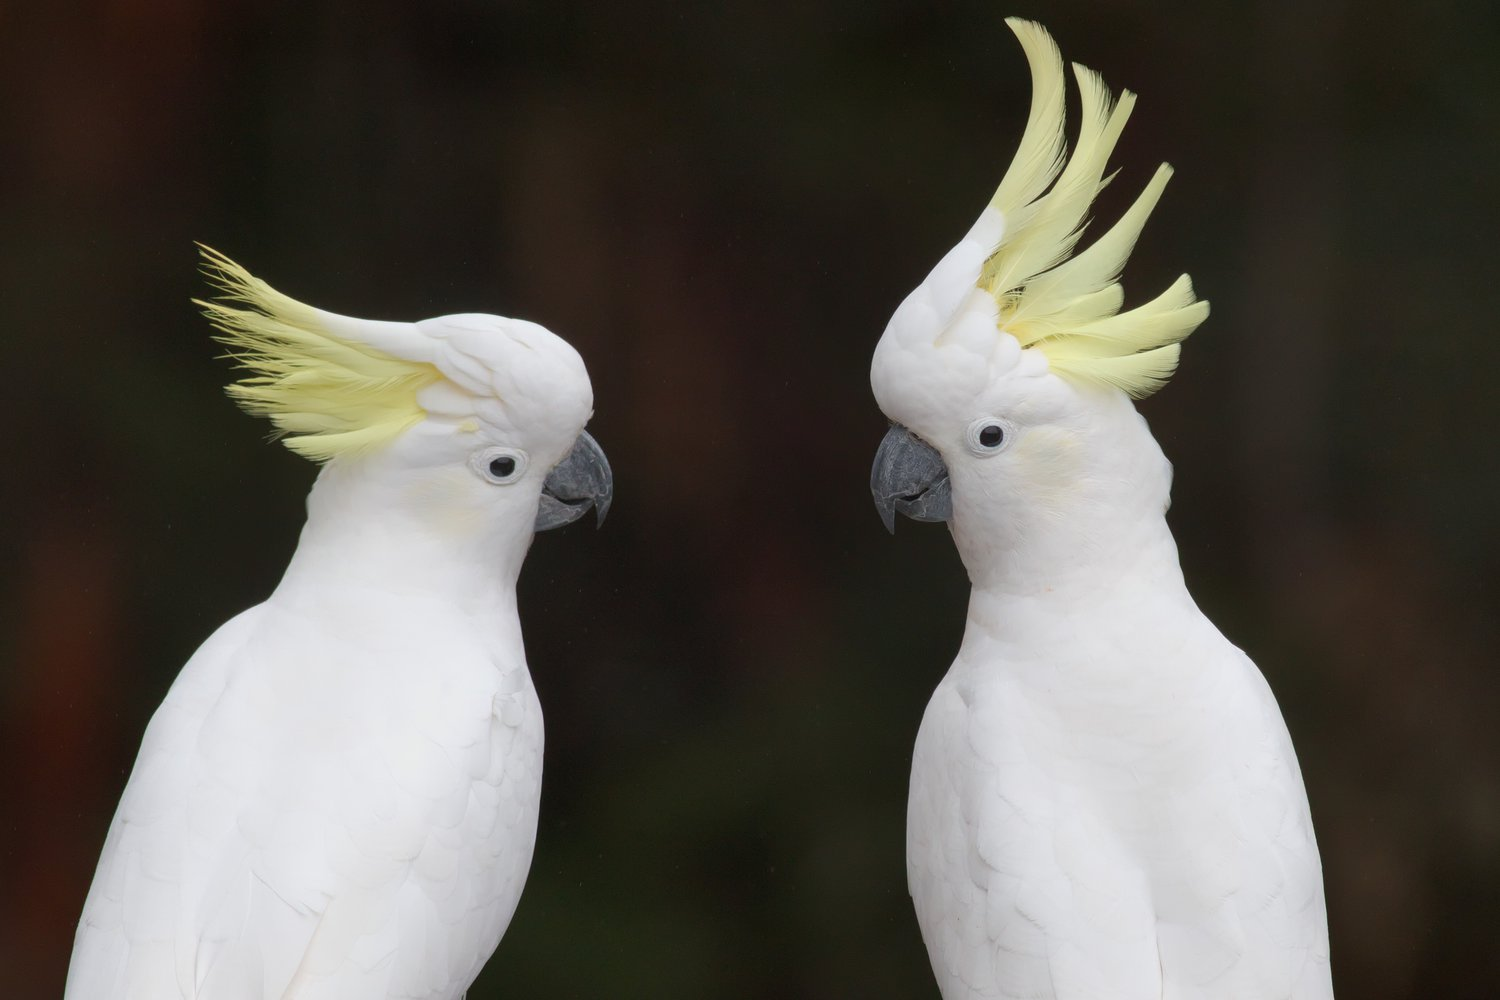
{"points": [[1068, 306], [327, 395]]}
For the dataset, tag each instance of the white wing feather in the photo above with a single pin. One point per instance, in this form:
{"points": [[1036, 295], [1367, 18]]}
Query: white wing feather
{"points": [[1072, 833], [269, 846]]}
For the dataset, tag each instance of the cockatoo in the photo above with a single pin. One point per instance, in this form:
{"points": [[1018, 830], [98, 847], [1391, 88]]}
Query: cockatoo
{"points": [[1104, 799], [338, 796]]}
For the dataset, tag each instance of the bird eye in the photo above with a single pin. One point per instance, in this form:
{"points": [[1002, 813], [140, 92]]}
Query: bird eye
{"points": [[499, 465], [986, 436]]}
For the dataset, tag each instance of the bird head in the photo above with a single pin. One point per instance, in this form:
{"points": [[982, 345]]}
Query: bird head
{"points": [[463, 421], [1008, 373]]}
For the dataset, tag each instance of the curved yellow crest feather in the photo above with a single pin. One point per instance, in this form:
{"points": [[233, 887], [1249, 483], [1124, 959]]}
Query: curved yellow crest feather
{"points": [[1065, 305], [326, 395]]}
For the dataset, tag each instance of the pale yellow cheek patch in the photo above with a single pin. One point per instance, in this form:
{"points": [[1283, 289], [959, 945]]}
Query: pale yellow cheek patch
{"points": [[451, 501], [1050, 460]]}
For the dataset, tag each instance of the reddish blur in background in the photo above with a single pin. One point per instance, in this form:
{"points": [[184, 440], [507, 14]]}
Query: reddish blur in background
{"points": [[720, 205]]}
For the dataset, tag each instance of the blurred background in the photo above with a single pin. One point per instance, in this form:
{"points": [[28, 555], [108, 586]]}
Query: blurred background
{"points": [[720, 205]]}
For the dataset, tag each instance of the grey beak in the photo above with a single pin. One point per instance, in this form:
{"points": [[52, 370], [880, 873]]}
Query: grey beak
{"points": [[909, 477], [580, 481]]}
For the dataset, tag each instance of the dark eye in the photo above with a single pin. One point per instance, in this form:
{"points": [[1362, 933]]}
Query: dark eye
{"points": [[498, 464], [985, 436]]}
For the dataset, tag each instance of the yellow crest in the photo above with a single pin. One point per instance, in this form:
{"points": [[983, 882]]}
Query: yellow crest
{"points": [[1068, 306], [326, 395]]}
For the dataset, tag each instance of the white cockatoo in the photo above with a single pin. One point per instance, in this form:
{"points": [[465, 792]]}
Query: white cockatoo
{"points": [[338, 796], [1104, 799]]}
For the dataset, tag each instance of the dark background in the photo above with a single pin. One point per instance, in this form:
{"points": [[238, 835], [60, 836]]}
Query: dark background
{"points": [[720, 205]]}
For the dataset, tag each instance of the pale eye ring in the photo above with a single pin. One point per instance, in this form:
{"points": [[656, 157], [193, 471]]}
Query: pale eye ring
{"points": [[499, 465], [987, 435]]}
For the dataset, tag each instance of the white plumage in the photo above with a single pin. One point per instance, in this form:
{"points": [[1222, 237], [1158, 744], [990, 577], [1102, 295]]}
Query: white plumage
{"points": [[338, 796], [1104, 799]]}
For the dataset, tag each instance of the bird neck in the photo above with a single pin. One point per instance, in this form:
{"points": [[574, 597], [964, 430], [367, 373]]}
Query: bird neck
{"points": [[364, 532], [1072, 563]]}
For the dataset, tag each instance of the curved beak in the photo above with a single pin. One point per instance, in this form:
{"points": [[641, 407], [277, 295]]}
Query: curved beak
{"points": [[909, 477], [580, 481]]}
